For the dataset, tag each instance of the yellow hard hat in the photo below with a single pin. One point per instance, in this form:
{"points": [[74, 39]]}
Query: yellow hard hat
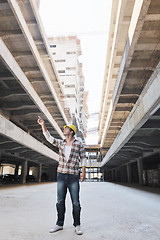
{"points": [[71, 127]]}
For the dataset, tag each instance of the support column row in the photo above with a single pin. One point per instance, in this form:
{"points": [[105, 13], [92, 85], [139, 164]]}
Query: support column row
{"points": [[131, 173]]}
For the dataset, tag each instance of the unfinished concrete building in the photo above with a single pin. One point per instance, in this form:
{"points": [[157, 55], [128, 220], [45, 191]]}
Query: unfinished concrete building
{"points": [[129, 132], [29, 86]]}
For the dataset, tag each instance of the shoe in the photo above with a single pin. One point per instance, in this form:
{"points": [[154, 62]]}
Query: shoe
{"points": [[78, 230], [55, 229]]}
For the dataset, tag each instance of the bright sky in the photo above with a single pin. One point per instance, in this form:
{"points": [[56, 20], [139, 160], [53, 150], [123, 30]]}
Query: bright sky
{"points": [[89, 20]]}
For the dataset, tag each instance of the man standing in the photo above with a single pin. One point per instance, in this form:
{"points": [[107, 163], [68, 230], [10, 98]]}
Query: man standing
{"points": [[70, 152]]}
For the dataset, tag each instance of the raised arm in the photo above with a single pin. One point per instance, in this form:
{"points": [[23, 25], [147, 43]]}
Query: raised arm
{"points": [[41, 122], [49, 138]]}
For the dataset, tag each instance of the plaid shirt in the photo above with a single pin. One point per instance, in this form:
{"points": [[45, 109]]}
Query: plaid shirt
{"points": [[77, 153]]}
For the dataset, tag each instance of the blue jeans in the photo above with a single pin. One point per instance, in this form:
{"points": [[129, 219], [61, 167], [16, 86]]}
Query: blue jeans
{"points": [[71, 182]]}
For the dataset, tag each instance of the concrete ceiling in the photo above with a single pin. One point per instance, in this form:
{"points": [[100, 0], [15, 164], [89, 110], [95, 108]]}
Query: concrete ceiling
{"points": [[29, 83], [119, 24], [22, 33], [14, 153], [140, 58], [145, 143]]}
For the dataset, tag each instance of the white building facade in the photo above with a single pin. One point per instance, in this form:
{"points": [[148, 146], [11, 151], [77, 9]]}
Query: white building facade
{"points": [[66, 52]]}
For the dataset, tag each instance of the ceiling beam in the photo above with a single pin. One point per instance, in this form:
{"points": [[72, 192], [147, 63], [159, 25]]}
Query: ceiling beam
{"points": [[22, 138], [13, 66]]}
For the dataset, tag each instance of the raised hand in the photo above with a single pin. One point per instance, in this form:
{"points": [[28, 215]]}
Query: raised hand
{"points": [[40, 121]]}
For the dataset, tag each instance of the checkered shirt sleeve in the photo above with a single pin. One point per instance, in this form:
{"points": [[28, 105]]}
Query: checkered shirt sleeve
{"points": [[77, 154], [52, 140]]}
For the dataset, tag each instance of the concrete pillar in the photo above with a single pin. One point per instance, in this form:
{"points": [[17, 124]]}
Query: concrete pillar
{"points": [[89, 175], [52, 172], [115, 175], [28, 168], [124, 174], [55, 174], [39, 172], [1, 168], [105, 176], [24, 172], [140, 170], [121, 174], [98, 173], [16, 172], [93, 173], [112, 175], [90, 171], [129, 175]]}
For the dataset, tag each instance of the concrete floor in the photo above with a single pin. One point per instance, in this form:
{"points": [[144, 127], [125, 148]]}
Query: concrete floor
{"points": [[109, 211]]}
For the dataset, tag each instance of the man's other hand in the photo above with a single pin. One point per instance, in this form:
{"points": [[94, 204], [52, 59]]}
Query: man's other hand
{"points": [[82, 177]]}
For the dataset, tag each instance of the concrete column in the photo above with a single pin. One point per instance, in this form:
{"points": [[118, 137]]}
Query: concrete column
{"points": [[140, 170], [105, 176], [39, 172], [98, 174], [16, 171], [115, 175], [124, 177], [1, 168], [89, 175], [129, 176], [93, 173], [112, 175], [28, 168], [52, 172], [24, 172], [121, 174]]}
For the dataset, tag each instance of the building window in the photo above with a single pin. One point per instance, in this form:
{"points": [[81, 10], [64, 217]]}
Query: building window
{"points": [[70, 86], [70, 96], [60, 60], [70, 68], [61, 71], [70, 52], [53, 53], [81, 89], [68, 75], [52, 46]]}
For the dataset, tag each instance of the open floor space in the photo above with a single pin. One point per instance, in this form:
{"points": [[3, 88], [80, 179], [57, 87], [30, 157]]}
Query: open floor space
{"points": [[109, 211]]}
